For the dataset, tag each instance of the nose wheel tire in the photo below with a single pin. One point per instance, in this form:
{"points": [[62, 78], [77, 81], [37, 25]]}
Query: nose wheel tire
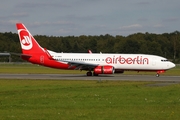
{"points": [[157, 75]]}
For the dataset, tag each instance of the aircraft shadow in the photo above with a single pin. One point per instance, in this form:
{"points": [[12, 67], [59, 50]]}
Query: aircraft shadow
{"points": [[71, 75]]}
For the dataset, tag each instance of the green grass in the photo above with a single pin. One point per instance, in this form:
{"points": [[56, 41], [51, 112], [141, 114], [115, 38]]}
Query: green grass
{"points": [[87, 100], [36, 69]]}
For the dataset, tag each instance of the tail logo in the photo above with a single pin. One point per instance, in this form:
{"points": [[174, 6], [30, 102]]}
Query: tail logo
{"points": [[26, 41]]}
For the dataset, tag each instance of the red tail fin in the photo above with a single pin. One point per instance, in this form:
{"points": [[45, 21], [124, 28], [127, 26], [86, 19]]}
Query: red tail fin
{"points": [[28, 44], [33, 52]]}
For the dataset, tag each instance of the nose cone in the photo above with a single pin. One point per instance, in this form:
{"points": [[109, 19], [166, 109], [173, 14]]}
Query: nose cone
{"points": [[171, 65]]}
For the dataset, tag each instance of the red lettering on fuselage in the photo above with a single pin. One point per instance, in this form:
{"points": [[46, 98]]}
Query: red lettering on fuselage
{"points": [[129, 60]]}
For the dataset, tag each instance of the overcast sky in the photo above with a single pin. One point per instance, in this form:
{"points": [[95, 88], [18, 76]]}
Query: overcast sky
{"points": [[90, 17]]}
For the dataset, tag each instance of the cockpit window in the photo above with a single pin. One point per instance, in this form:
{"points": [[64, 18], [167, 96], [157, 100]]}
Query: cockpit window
{"points": [[165, 60]]}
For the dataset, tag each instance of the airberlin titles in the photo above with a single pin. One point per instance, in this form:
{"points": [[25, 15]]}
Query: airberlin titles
{"points": [[128, 60]]}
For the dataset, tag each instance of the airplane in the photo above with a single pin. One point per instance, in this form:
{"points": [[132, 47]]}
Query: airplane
{"points": [[94, 64]]}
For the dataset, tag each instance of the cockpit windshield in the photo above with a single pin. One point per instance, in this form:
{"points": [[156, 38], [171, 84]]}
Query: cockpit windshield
{"points": [[164, 60]]}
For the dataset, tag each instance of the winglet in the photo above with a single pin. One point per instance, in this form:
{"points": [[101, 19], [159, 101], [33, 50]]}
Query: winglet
{"points": [[89, 51]]}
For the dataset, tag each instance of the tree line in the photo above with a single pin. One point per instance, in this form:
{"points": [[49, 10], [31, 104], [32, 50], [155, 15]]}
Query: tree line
{"points": [[166, 44]]}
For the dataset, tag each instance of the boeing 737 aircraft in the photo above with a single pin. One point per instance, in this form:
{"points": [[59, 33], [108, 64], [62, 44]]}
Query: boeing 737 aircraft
{"points": [[94, 64]]}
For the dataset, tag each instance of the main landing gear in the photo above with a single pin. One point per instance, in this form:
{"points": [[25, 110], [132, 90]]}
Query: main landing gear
{"points": [[89, 73]]}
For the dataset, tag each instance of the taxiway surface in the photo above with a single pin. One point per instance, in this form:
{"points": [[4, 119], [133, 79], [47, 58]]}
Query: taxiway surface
{"points": [[119, 77]]}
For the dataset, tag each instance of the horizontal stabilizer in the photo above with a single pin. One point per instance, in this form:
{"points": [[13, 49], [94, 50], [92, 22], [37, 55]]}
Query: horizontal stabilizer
{"points": [[20, 54], [25, 56]]}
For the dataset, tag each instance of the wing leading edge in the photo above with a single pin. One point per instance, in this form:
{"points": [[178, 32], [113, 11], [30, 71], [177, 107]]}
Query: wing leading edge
{"points": [[80, 65]]}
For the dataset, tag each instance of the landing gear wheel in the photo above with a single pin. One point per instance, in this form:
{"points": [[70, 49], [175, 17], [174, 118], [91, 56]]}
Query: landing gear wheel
{"points": [[94, 74], [89, 73], [157, 75]]}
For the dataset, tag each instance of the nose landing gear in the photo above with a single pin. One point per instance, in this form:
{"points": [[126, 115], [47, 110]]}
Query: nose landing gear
{"points": [[157, 75], [159, 72]]}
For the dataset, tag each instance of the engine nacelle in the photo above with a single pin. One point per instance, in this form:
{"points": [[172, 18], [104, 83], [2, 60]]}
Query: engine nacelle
{"points": [[104, 70]]}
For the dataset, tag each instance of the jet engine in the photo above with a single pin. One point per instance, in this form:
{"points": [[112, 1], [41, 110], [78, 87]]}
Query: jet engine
{"points": [[104, 70]]}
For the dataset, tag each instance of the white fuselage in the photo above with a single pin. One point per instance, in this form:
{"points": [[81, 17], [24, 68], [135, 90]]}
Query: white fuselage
{"points": [[118, 61]]}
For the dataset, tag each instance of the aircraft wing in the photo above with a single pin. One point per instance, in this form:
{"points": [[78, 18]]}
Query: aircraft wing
{"points": [[80, 65]]}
